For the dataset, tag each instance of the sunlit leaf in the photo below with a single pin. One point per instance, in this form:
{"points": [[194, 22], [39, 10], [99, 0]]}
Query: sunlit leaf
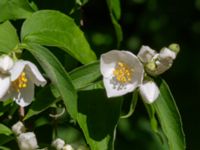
{"points": [[169, 117], [5, 130], [8, 37], [15, 9], [52, 28], [84, 75], [57, 74]]}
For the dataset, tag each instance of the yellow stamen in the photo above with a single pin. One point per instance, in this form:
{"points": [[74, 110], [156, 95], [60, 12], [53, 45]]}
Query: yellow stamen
{"points": [[20, 82], [123, 73]]}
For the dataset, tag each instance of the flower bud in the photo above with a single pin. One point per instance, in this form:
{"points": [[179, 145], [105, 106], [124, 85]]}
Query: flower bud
{"points": [[68, 147], [18, 128], [27, 141], [174, 47], [58, 144], [149, 91], [6, 63]]}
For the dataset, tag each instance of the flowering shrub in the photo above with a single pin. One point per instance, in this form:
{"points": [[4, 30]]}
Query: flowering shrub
{"points": [[77, 107]]}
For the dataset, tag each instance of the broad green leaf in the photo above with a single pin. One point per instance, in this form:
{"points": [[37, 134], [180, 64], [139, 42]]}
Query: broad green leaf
{"points": [[5, 130], [169, 117], [52, 28], [115, 13], [86, 74], [98, 117], [42, 101], [8, 37], [57, 74], [15, 9], [6, 138]]}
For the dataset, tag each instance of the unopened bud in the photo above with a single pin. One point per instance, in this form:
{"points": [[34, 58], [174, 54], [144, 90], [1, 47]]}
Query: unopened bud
{"points": [[58, 144], [18, 128], [27, 141], [174, 47]]}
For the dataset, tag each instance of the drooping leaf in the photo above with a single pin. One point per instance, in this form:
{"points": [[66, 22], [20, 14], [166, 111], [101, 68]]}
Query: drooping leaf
{"points": [[8, 37], [115, 14], [57, 74], [98, 117], [15, 9], [169, 117], [5, 130], [52, 28], [84, 75]]}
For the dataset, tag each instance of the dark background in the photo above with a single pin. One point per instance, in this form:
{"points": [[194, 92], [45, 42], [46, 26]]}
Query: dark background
{"points": [[156, 23]]}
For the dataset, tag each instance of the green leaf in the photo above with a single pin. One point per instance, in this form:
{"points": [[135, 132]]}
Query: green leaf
{"points": [[57, 74], [86, 74], [169, 117], [52, 28], [5, 130], [115, 13], [93, 86], [98, 117], [15, 9], [8, 37]]}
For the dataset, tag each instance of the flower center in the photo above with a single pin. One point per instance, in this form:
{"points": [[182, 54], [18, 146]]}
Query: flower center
{"points": [[21, 82], [123, 73]]}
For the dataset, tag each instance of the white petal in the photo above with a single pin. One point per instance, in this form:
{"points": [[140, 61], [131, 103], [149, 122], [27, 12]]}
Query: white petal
{"points": [[4, 86], [166, 53], [6, 63], [35, 74], [25, 96], [146, 54], [69, 147], [108, 62], [149, 91], [114, 90], [27, 141], [17, 69]]}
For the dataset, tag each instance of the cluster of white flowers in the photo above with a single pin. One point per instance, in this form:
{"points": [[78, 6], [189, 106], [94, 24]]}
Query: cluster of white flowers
{"points": [[17, 80], [123, 71], [25, 140]]}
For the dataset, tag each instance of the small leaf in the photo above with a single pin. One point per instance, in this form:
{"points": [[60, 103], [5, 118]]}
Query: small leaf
{"points": [[52, 28], [8, 37], [84, 75], [98, 117], [5, 130], [59, 77], [15, 9], [115, 14], [169, 117]]}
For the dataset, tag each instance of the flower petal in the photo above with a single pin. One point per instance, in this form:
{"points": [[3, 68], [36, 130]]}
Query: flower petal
{"points": [[17, 69], [146, 54], [4, 86], [35, 74], [113, 90], [25, 96], [6, 63], [149, 91]]}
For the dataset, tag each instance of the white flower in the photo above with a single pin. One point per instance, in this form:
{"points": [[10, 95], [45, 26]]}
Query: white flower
{"points": [[6, 63], [122, 72], [156, 63], [18, 128], [24, 75], [27, 141], [58, 144], [149, 91]]}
